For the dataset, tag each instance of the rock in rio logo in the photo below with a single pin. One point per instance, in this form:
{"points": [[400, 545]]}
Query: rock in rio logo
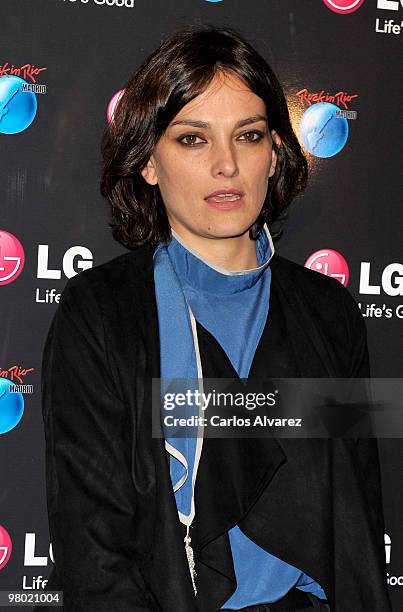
{"points": [[343, 6], [12, 258], [18, 105], [5, 547], [329, 262]]}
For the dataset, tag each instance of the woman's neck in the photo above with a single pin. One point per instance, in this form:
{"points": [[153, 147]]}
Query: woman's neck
{"points": [[233, 253]]}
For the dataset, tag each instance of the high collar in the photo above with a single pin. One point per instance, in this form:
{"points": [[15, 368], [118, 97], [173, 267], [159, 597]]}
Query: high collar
{"points": [[196, 272]]}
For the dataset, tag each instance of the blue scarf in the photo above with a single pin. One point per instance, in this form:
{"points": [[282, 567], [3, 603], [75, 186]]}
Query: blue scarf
{"points": [[175, 267]]}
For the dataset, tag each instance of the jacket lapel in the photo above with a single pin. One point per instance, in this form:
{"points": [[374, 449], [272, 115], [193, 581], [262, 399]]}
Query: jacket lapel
{"points": [[160, 546], [234, 473]]}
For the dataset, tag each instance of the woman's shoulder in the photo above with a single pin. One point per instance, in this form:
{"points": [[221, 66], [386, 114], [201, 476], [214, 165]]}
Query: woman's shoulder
{"points": [[296, 272], [123, 273], [315, 288]]}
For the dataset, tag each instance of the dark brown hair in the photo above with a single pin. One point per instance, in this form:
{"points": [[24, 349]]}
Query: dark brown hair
{"points": [[175, 73]]}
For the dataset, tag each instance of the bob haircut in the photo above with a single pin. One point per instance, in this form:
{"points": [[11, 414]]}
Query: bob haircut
{"points": [[175, 73]]}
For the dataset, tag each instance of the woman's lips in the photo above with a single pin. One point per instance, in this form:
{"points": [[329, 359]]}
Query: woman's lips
{"points": [[225, 202]]}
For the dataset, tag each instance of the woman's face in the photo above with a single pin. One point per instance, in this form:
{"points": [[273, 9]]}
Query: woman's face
{"points": [[218, 141]]}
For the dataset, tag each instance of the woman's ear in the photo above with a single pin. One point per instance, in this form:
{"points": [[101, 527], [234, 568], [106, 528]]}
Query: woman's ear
{"points": [[277, 140], [149, 171]]}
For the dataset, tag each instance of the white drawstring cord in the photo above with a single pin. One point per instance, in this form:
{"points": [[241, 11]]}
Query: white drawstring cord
{"points": [[190, 558]]}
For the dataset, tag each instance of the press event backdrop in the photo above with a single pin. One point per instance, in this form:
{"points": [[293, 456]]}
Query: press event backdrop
{"points": [[62, 66]]}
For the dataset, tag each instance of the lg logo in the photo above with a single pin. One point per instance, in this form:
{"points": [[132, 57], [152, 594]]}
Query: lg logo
{"points": [[5, 547], [12, 259], [390, 5], [332, 263], [31, 559], [343, 6], [350, 6], [75, 259], [391, 280]]}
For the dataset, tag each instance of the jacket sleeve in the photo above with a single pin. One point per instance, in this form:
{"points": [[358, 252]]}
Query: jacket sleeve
{"points": [[90, 496], [367, 448]]}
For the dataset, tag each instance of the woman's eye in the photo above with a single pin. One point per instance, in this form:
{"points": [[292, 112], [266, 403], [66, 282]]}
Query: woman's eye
{"points": [[188, 137], [258, 134]]}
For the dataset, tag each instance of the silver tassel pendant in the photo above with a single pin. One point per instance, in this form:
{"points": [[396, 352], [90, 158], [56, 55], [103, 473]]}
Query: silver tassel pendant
{"points": [[190, 558]]}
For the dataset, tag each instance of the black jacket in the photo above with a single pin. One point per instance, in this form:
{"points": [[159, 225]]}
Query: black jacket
{"points": [[117, 541]]}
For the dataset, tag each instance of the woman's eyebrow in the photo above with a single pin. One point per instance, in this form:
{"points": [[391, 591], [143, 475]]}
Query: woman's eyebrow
{"points": [[203, 124]]}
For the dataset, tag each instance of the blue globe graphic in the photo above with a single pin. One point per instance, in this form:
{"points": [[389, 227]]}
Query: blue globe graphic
{"points": [[11, 406], [323, 133], [17, 107]]}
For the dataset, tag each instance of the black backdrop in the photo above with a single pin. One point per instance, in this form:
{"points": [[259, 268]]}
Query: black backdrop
{"points": [[50, 197]]}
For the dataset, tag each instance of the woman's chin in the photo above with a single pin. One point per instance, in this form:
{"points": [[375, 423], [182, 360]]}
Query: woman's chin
{"points": [[227, 228]]}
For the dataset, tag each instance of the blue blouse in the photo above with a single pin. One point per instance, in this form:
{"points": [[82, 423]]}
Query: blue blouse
{"points": [[224, 301]]}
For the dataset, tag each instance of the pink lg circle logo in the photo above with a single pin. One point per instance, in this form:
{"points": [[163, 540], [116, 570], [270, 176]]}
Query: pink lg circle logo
{"points": [[12, 257], [5, 547], [343, 6], [331, 263]]}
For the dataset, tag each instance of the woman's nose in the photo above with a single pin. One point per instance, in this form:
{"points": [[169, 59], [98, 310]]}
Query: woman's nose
{"points": [[223, 160]]}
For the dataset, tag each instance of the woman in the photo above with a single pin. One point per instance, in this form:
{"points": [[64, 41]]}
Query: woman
{"points": [[199, 160]]}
